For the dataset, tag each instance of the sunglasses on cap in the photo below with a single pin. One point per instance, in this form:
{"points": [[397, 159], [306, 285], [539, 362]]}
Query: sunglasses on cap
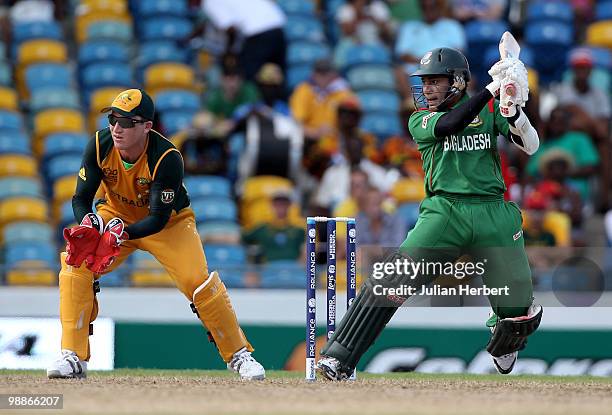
{"points": [[124, 122]]}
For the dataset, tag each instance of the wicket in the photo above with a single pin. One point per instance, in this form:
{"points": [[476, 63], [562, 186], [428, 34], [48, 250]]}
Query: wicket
{"points": [[311, 280]]}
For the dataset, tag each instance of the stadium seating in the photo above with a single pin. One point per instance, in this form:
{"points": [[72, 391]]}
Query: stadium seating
{"points": [[175, 121], [102, 50], [549, 11], [147, 272], [18, 165], [65, 165], [85, 21], [24, 231], [6, 73], [297, 7], [214, 208], [8, 99], [304, 28], [167, 75], [162, 27], [53, 98], [205, 186], [366, 54], [177, 100], [153, 8], [64, 143], [46, 75], [17, 186], [14, 142], [108, 29], [11, 120], [219, 232], [550, 42], [282, 274], [382, 125], [600, 34], [371, 77], [23, 208]]}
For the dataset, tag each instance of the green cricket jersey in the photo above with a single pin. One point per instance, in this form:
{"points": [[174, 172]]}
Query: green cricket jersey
{"points": [[466, 163]]}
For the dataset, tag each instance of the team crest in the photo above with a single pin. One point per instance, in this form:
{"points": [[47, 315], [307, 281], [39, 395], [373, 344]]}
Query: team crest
{"points": [[142, 181], [167, 196], [476, 122], [426, 58]]}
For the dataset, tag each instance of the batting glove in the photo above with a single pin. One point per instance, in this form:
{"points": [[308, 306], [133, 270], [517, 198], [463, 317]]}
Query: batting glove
{"points": [[108, 246], [82, 240]]}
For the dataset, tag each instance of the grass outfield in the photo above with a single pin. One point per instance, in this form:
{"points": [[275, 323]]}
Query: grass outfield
{"points": [[125, 391]]}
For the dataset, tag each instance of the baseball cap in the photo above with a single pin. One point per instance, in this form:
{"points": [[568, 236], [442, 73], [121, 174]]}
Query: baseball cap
{"points": [[133, 102]]}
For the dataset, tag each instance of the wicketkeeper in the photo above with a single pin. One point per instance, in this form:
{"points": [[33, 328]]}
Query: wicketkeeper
{"points": [[146, 207], [463, 212]]}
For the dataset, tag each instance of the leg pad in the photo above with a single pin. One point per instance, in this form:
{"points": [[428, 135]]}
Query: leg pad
{"points": [[510, 334]]}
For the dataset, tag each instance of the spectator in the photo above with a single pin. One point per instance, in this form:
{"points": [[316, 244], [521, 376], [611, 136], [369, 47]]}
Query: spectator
{"points": [[260, 23], [375, 226], [555, 166], [358, 189], [362, 22], [404, 10], [314, 104], [592, 103], [559, 137], [335, 184], [233, 92], [534, 232], [270, 81], [466, 10], [417, 37], [278, 240]]}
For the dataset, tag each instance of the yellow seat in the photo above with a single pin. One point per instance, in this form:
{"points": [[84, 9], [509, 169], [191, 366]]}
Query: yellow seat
{"points": [[63, 190], [23, 208], [260, 211], [408, 190], [54, 121], [41, 50], [8, 99], [151, 278], [100, 99], [110, 7], [264, 187], [600, 34], [18, 165], [169, 75], [27, 275], [83, 21]]}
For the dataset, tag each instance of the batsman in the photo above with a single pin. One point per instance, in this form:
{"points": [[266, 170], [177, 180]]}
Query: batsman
{"points": [[464, 211], [145, 206]]}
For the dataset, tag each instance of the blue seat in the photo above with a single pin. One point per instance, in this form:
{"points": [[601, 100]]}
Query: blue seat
{"points": [[102, 121], [550, 42], [602, 57], [366, 54], [175, 121], [48, 75], [282, 274], [22, 32], [24, 231], [219, 228], [409, 212], [370, 77], [298, 74], [214, 208], [482, 35], [20, 186], [304, 52], [204, 186], [43, 252], [14, 142], [152, 8], [6, 73], [374, 100], [116, 278], [293, 7], [64, 143], [550, 10], [54, 97], [102, 50], [144, 259], [225, 255], [603, 10], [10, 120], [60, 166], [177, 99], [98, 75], [165, 27], [382, 125], [159, 51], [66, 216], [303, 28], [111, 30]]}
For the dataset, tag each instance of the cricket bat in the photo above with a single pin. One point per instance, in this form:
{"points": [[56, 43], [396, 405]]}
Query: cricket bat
{"points": [[508, 48]]}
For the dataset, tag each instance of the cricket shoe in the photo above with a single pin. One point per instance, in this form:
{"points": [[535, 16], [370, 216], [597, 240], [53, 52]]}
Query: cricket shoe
{"points": [[505, 363], [68, 366], [331, 369], [246, 365]]}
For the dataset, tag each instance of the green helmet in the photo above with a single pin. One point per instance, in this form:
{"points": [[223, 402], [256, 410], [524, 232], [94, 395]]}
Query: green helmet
{"points": [[444, 61]]}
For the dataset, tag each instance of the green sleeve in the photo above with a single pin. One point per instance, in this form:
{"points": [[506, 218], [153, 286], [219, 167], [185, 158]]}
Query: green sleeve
{"points": [[501, 123], [422, 124], [253, 236], [213, 102], [584, 151]]}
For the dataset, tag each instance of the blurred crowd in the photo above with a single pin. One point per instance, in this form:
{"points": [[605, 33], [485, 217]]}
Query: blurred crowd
{"points": [[318, 93]]}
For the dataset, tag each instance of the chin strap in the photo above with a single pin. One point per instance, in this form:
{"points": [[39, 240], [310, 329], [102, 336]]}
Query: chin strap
{"points": [[454, 91]]}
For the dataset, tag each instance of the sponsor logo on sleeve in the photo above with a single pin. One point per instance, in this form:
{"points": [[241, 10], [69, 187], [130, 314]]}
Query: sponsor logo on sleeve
{"points": [[82, 174], [167, 196], [426, 119]]}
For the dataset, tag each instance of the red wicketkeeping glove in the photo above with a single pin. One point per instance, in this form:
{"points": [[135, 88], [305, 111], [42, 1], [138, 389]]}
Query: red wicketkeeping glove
{"points": [[108, 246], [82, 240]]}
